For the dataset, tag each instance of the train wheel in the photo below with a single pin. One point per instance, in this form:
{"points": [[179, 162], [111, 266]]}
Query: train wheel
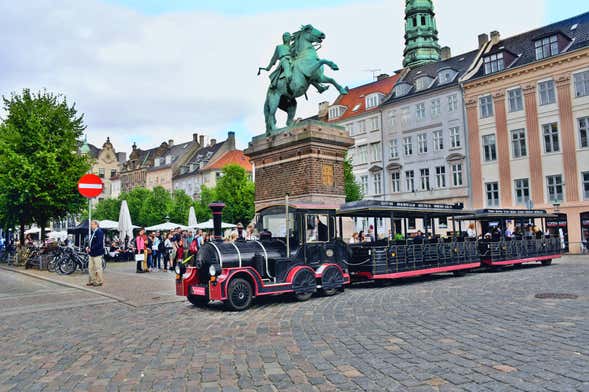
{"points": [[239, 294], [333, 279], [547, 262], [198, 300], [304, 284]]}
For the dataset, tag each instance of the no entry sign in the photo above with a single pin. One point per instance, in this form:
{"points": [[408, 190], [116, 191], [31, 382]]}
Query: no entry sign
{"points": [[90, 185]]}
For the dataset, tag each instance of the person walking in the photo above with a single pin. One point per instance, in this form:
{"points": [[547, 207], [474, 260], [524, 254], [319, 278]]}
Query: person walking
{"points": [[157, 255], [168, 249], [139, 249], [95, 252], [149, 251], [179, 253]]}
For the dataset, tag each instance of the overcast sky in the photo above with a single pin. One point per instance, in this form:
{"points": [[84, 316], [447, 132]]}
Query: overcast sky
{"points": [[150, 70]]}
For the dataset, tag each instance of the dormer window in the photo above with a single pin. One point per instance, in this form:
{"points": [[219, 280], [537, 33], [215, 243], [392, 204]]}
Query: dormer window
{"points": [[402, 89], [546, 47], [494, 63], [336, 111], [373, 100], [446, 75], [156, 162], [168, 159], [423, 83]]}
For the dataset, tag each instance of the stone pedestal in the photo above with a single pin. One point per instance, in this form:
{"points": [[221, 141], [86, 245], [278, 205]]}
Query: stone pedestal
{"points": [[305, 160]]}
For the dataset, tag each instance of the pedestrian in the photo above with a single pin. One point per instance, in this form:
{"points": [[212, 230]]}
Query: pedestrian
{"points": [[169, 248], [95, 252], [149, 250], [139, 249], [160, 249], [200, 237], [250, 234], [179, 253]]}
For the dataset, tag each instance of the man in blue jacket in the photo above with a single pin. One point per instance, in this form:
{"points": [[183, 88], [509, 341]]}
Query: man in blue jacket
{"points": [[96, 252]]}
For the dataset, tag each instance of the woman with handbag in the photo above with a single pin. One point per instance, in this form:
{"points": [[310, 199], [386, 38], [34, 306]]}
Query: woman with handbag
{"points": [[139, 249]]}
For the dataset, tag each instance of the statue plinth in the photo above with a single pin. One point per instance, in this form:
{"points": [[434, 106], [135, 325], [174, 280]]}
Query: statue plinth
{"points": [[305, 160]]}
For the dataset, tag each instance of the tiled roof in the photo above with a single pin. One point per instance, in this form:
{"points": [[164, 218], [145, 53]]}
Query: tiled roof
{"points": [[576, 29], [459, 63], [202, 155], [234, 157], [355, 99]]}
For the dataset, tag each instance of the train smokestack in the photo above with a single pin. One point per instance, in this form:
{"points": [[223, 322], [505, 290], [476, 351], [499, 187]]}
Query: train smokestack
{"points": [[217, 209]]}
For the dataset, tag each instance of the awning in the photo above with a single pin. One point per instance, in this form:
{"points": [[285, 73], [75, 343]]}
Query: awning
{"points": [[491, 213], [386, 209]]}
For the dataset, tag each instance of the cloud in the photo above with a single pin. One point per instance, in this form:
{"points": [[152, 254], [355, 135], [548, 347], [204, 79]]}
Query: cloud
{"points": [[148, 78]]}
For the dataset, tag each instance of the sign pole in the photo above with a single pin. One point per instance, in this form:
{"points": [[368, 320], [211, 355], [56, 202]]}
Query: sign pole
{"points": [[89, 219]]}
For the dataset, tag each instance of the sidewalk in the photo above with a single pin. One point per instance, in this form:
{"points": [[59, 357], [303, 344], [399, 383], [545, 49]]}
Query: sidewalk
{"points": [[120, 283]]}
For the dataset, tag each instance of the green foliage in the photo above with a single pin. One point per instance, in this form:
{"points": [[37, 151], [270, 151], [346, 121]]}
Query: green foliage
{"points": [[107, 209], [156, 207], [181, 203], [201, 206], [136, 201], [39, 163], [237, 191], [352, 188]]}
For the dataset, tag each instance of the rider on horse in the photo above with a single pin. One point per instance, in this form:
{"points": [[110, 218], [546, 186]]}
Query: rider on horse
{"points": [[282, 54]]}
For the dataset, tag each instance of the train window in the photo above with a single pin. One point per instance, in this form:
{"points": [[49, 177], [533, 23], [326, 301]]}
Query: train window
{"points": [[317, 228], [276, 224]]}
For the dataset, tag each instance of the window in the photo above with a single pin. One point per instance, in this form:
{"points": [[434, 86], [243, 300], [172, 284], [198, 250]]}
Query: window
{"points": [[393, 149], [411, 223], [101, 172], [317, 228], [373, 123], [362, 154], [420, 111], [486, 106], [441, 176], [350, 129], [408, 146], [585, 176], [422, 143], [452, 103], [446, 76], [515, 100], [435, 107], [410, 181], [438, 140], [546, 47], [422, 83], [402, 89], [583, 131], [494, 63], [554, 184], [113, 172], [550, 132], [375, 152], [492, 194], [424, 179], [372, 100], [489, 148], [364, 184], [396, 182], [443, 222], [518, 143], [392, 118], [336, 111], [361, 126], [522, 191], [455, 137], [581, 84], [404, 116], [546, 91], [457, 174], [377, 183]]}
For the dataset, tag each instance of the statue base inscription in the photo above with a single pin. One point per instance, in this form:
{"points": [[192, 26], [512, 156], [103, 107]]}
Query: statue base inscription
{"points": [[305, 161]]}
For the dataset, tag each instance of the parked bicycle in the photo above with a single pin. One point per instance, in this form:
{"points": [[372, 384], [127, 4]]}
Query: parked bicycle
{"points": [[73, 259]]}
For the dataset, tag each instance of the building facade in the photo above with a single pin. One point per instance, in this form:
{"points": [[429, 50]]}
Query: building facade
{"points": [[106, 164], [527, 104]]}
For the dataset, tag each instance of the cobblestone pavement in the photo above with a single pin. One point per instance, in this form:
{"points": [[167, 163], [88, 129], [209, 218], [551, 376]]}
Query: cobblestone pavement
{"points": [[484, 331]]}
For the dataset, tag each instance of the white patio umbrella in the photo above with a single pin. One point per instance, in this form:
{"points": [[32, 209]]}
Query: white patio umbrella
{"points": [[125, 226], [166, 227], [192, 223], [107, 224], [209, 225]]}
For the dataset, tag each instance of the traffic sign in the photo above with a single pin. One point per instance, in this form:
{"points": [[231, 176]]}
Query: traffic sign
{"points": [[90, 185]]}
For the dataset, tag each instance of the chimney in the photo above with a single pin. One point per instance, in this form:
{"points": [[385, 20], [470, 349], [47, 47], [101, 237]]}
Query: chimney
{"points": [[231, 140], [483, 39], [170, 142], [382, 76], [195, 137], [495, 37], [201, 140], [217, 209], [446, 53], [213, 142], [323, 109]]}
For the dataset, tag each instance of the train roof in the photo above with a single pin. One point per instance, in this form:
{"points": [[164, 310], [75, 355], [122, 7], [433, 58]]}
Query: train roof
{"points": [[399, 209], [303, 206], [494, 213]]}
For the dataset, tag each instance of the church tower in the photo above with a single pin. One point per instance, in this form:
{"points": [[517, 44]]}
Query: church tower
{"points": [[421, 34]]}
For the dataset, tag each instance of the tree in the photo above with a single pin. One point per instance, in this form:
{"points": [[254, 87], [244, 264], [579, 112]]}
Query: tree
{"points": [[39, 160], [136, 201], [158, 204], [237, 191], [201, 206], [107, 209], [352, 188], [181, 203]]}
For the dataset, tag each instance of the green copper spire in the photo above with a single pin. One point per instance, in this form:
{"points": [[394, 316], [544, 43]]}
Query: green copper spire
{"points": [[85, 149], [421, 34]]}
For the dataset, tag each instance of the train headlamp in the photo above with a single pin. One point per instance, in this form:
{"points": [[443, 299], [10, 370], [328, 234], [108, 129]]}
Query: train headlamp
{"points": [[213, 270], [178, 270]]}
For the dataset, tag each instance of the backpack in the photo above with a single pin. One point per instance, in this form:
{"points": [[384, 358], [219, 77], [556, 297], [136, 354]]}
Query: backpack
{"points": [[161, 246], [193, 246]]}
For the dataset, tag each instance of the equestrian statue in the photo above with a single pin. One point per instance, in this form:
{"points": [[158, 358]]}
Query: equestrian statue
{"points": [[298, 68]]}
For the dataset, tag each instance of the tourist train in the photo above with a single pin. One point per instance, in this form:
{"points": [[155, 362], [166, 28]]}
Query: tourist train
{"points": [[301, 251]]}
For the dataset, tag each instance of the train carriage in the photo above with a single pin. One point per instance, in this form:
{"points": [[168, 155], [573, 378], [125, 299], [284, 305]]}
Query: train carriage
{"points": [[389, 258], [521, 245]]}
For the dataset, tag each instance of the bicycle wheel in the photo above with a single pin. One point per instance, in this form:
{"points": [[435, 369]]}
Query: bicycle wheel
{"points": [[52, 264], [66, 266]]}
